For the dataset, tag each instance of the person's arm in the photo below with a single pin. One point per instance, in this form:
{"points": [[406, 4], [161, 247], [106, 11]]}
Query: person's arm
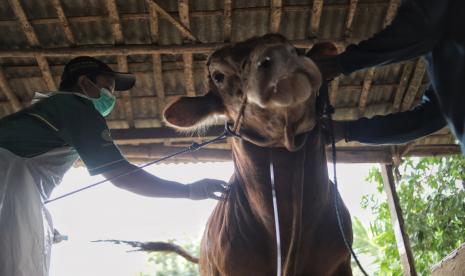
{"points": [[418, 25], [397, 128], [140, 182], [83, 128]]}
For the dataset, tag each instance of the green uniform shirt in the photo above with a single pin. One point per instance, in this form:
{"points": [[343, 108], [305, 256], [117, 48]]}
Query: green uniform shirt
{"points": [[57, 121]]}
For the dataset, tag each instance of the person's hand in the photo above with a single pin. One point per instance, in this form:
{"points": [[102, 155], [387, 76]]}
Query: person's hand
{"points": [[325, 57], [338, 131], [206, 188], [329, 67]]}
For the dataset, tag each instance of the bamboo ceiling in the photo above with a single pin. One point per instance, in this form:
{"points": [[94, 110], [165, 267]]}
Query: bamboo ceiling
{"points": [[165, 43]]}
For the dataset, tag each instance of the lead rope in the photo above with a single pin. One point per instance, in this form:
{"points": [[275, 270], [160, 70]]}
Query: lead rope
{"points": [[228, 132], [193, 147], [329, 110], [276, 220]]}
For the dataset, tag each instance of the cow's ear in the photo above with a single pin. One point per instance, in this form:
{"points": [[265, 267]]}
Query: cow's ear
{"points": [[322, 49], [189, 112]]}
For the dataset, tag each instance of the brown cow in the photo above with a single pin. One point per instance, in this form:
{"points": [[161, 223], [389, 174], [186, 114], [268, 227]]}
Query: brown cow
{"points": [[279, 126]]}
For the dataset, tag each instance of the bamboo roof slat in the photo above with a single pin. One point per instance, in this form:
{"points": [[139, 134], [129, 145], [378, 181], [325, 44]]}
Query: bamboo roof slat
{"points": [[64, 22], [350, 18], [184, 30], [33, 41], [365, 90], [404, 79], [275, 15], [158, 78], [227, 13], [414, 86], [315, 17], [6, 89], [183, 7], [391, 11]]}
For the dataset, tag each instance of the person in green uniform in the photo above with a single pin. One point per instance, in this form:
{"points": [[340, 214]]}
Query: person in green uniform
{"points": [[40, 143]]}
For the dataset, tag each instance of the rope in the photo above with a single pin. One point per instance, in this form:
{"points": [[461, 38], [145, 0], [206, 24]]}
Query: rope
{"points": [[276, 220], [329, 110], [193, 147]]}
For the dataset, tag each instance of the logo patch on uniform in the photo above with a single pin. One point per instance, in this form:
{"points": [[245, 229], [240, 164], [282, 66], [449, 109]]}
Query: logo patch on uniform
{"points": [[106, 135]]}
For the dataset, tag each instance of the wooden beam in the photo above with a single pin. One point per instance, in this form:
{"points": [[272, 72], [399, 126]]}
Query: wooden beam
{"points": [[391, 12], [365, 90], [157, 67], [350, 18], [315, 17], [414, 86], [158, 78], [134, 49], [189, 75], [227, 14], [275, 15], [198, 13], [34, 42], [118, 36], [183, 8], [181, 27], [153, 20], [403, 243], [400, 91], [115, 22], [10, 95], [64, 22], [123, 67]]}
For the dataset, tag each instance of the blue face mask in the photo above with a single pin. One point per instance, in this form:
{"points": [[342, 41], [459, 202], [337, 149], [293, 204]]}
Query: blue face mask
{"points": [[105, 103]]}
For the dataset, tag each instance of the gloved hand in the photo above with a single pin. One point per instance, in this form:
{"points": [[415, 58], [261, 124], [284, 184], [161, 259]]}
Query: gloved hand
{"points": [[206, 188], [325, 57]]}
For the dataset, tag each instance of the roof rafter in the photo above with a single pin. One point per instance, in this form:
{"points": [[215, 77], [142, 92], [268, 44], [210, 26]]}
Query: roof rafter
{"points": [[414, 86], [401, 88], [315, 17], [158, 77], [157, 65], [6, 89], [122, 59], [134, 49], [33, 41], [227, 13], [115, 21], [64, 22], [391, 12], [365, 90], [350, 17], [275, 15], [183, 9], [180, 26]]}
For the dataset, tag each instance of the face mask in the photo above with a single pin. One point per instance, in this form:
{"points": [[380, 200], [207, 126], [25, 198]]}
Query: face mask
{"points": [[105, 103]]}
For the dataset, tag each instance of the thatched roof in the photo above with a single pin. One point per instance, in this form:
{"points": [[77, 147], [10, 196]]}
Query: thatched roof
{"points": [[165, 43]]}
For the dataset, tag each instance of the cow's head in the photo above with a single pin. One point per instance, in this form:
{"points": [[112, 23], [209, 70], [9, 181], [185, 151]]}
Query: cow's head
{"points": [[280, 85]]}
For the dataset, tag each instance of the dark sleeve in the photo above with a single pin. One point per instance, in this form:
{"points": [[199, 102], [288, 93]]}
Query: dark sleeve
{"points": [[83, 128], [415, 30], [401, 127]]}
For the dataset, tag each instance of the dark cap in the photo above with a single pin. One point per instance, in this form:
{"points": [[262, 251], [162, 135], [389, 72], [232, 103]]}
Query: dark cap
{"points": [[88, 65]]}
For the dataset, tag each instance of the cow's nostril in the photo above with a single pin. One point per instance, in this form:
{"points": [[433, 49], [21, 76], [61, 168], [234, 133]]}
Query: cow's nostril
{"points": [[265, 63]]}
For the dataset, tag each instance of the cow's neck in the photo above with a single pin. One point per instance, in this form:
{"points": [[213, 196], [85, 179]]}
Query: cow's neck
{"points": [[290, 169]]}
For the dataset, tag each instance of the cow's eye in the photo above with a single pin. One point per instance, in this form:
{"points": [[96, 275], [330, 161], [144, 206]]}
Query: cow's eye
{"points": [[265, 63], [218, 77]]}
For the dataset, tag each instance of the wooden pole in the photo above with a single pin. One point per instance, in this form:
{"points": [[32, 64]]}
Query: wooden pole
{"points": [[403, 243]]}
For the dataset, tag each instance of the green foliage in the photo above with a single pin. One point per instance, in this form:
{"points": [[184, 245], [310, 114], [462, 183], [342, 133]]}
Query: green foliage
{"points": [[432, 197], [170, 264]]}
